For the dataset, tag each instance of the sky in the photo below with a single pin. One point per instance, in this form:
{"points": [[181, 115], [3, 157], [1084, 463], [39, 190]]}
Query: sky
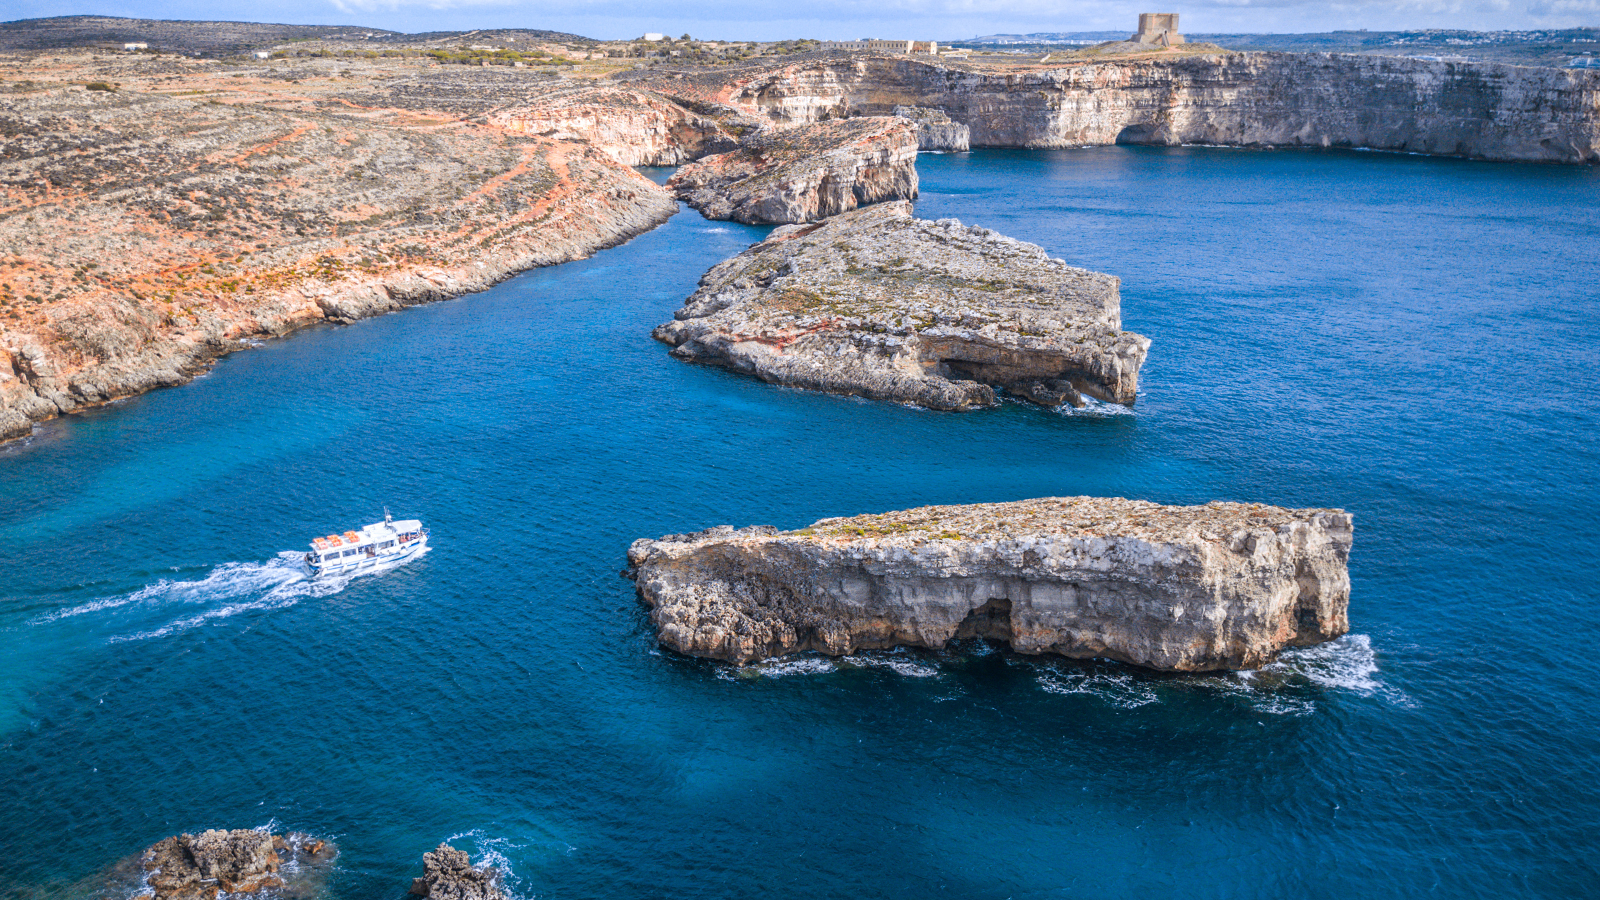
{"points": [[846, 19]]}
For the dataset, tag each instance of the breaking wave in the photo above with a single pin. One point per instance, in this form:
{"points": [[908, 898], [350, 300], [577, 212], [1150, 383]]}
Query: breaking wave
{"points": [[226, 591]]}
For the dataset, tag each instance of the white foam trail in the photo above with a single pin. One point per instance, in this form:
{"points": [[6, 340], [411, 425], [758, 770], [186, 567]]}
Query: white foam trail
{"points": [[779, 668], [1094, 409], [1120, 689], [898, 663], [237, 586], [1348, 664], [226, 580]]}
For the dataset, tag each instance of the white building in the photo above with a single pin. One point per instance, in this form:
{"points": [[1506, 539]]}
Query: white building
{"points": [[654, 37], [136, 46], [875, 45]]}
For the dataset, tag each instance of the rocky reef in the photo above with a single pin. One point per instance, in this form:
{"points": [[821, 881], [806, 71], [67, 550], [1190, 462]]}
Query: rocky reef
{"points": [[935, 130], [879, 304], [217, 862], [805, 173], [448, 874], [1174, 588]]}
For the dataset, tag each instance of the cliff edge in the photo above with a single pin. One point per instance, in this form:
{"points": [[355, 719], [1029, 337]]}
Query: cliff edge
{"points": [[1175, 588]]}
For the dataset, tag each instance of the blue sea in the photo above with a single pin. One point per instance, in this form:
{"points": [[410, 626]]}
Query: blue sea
{"points": [[1415, 340]]}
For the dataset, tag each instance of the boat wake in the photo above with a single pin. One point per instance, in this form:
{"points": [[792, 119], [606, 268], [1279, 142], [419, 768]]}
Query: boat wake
{"points": [[226, 591]]}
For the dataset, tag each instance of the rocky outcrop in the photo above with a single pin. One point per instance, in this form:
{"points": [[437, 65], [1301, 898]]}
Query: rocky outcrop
{"points": [[150, 234], [448, 874], [1185, 589], [632, 127], [217, 862], [805, 173], [1237, 99], [935, 130], [199, 866], [879, 304]]}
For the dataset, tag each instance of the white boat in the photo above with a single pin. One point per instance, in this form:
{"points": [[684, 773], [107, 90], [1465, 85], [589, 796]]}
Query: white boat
{"points": [[378, 544]]}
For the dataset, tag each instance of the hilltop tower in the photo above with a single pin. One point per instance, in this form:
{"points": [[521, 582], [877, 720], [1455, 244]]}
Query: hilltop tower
{"points": [[1158, 29]]}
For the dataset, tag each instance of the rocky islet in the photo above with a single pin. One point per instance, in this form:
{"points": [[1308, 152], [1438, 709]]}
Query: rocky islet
{"points": [[1179, 589], [880, 304]]}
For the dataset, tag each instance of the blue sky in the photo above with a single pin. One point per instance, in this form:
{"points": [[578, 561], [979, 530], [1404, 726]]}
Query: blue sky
{"points": [[836, 19]]}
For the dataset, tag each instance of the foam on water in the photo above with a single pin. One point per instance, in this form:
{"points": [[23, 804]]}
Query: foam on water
{"points": [[1125, 690], [228, 590]]}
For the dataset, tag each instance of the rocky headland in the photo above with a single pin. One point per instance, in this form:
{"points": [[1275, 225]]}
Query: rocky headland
{"points": [[1173, 588], [879, 304], [805, 173], [150, 233]]}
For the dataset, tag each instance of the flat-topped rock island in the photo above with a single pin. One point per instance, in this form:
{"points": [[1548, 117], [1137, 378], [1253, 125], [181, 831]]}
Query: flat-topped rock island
{"points": [[879, 304], [1174, 588]]}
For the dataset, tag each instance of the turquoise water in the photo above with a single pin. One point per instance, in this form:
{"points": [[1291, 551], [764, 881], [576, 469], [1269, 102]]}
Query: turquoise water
{"points": [[1415, 340]]}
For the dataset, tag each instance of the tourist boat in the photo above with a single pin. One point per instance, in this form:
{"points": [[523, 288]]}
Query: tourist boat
{"points": [[378, 544]]}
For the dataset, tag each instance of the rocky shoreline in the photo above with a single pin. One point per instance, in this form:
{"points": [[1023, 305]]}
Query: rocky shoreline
{"points": [[1223, 586]]}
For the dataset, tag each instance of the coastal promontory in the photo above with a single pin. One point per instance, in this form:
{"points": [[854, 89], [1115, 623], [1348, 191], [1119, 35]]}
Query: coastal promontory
{"points": [[806, 172], [879, 304], [1174, 588]]}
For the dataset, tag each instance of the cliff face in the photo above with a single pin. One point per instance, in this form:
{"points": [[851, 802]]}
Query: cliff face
{"points": [[1235, 99], [935, 130], [632, 127], [152, 234], [805, 173], [878, 304], [1222, 586]]}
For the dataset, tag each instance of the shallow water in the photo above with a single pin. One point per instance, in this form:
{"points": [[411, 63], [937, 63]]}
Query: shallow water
{"points": [[1412, 339]]}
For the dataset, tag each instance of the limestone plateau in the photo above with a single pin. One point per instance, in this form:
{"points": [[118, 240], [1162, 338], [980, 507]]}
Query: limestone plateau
{"points": [[1173, 588], [879, 304], [805, 173], [216, 863]]}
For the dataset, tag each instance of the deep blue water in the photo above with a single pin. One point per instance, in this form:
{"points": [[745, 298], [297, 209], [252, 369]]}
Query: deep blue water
{"points": [[1414, 340]]}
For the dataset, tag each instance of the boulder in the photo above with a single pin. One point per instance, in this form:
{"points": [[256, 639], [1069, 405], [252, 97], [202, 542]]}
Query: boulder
{"points": [[1173, 588], [199, 866]]}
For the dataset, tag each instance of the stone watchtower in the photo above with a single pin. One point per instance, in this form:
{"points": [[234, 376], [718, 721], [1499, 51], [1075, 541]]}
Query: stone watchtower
{"points": [[1158, 29]]}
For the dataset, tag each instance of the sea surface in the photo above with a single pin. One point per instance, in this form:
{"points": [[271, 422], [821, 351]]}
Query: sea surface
{"points": [[1415, 340]]}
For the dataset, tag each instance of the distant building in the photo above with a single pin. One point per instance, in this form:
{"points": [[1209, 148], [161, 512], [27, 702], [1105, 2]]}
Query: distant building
{"points": [[1158, 29], [262, 54], [873, 44], [136, 46], [654, 37]]}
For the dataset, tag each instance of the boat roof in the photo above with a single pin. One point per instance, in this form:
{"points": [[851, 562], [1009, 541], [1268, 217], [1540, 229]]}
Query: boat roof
{"points": [[377, 531]]}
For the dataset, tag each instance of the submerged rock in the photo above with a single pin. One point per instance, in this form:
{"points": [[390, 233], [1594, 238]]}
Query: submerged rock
{"points": [[806, 173], [1176, 588], [448, 874], [935, 130], [878, 304]]}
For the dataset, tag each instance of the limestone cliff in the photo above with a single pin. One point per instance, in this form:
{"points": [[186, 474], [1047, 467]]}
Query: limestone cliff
{"points": [[805, 173], [879, 304], [1187, 589], [935, 130], [151, 234], [1236, 99], [632, 127]]}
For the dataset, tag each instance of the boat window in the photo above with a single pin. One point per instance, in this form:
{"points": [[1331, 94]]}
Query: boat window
{"points": [[386, 545], [351, 552]]}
